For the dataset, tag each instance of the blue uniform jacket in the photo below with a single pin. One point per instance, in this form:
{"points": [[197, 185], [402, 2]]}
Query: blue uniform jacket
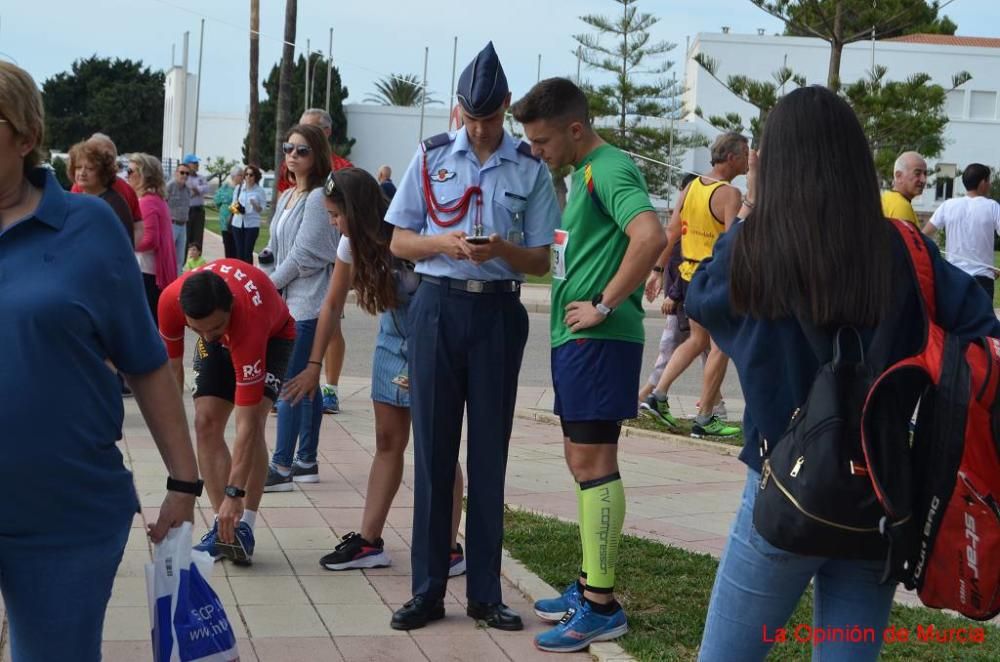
{"points": [[775, 363]]}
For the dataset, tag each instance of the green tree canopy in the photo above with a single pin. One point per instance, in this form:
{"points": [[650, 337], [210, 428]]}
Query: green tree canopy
{"points": [[269, 106], [399, 90], [629, 111], [120, 98], [842, 22]]}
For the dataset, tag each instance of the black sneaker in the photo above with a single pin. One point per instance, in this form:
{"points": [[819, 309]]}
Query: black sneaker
{"points": [[302, 474], [356, 552], [276, 482]]}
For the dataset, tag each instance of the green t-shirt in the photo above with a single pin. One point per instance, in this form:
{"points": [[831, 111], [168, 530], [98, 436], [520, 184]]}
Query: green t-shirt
{"points": [[608, 192]]}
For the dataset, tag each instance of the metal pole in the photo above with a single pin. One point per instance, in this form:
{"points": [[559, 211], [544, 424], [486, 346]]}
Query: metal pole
{"points": [[579, 57], [173, 55], [184, 84], [329, 71], [454, 65], [197, 93], [308, 54], [670, 144], [538, 75], [423, 95]]}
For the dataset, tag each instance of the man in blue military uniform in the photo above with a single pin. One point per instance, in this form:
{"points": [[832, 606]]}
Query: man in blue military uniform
{"points": [[475, 211]]}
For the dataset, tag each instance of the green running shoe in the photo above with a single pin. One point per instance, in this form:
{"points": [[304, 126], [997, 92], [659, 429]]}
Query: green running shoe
{"points": [[715, 427], [659, 411]]}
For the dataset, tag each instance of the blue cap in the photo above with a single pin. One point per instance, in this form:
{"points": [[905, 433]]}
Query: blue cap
{"points": [[190, 158], [482, 87]]}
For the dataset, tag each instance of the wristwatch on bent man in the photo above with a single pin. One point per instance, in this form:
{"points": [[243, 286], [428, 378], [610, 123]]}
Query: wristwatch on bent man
{"points": [[601, 308], [235, 492]]}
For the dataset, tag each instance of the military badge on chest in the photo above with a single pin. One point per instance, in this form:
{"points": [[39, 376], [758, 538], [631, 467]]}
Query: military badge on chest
{"points": [[442, 175]]}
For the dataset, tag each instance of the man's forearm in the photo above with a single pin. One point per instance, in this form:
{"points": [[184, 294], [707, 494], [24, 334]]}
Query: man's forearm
{"points": [[177, 368], [534, 261], [247, 432], [644, 247], [409, 245], [157, 397]]}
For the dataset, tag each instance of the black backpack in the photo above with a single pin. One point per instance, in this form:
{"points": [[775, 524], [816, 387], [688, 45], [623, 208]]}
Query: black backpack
{"points": [[816, 497]]}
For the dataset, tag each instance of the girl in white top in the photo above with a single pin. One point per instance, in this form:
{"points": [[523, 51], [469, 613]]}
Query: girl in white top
{"points": [[248, 202], [383, 284]]}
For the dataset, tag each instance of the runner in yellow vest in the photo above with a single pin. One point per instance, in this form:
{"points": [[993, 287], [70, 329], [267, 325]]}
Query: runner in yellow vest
{"points": [[704, 210], [909, 178]]}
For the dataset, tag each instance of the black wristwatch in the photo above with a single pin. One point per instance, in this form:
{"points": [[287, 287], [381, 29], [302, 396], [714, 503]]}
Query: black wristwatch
{"points": [[235, 492], [184, 486], [601, 308]]}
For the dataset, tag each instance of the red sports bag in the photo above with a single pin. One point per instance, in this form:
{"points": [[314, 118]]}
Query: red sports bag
{"points": [[948, 475]]}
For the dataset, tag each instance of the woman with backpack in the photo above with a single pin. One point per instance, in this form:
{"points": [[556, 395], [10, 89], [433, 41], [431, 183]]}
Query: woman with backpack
{"points": [[812, 251], [383, 285]]}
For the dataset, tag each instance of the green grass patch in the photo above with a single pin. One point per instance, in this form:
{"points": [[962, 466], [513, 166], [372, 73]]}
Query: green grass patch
{"points": [[665, 591], [540, 280], [212, 223], [684, 429]]}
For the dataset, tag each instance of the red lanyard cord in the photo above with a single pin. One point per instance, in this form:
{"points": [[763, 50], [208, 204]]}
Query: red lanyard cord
{"points": [[460, 208]]}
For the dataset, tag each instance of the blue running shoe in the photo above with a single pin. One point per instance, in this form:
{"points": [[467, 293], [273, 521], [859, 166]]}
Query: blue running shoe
{"points": [[581, 628], [208, 543], [553, 609], [331, 404], [239, 552]]}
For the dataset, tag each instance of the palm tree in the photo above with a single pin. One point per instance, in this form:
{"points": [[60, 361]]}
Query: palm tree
{"points": [[283, 119], [399, 90], [253, 147]]}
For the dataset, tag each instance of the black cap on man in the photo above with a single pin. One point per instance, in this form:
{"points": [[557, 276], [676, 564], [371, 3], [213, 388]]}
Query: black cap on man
{"points": [[482, 87]]}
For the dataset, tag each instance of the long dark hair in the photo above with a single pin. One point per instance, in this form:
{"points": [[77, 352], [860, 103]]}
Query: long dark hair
{"points": [[816, 245], [364, 204], [316, 139]]}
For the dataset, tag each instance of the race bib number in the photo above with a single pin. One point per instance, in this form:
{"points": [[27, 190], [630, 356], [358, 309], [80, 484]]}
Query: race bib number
{"points": [[559, 255]]}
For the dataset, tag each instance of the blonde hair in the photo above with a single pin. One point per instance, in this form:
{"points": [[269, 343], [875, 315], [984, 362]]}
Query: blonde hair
{"points": [[21, 106], [151, 171]]}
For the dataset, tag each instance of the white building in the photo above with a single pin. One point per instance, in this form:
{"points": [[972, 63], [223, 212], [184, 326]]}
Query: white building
{"points": [[389, 135], [218, 134], [973, 130]]}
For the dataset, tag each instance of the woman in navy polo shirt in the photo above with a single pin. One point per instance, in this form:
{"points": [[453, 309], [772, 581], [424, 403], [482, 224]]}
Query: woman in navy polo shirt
{"points": [[814, 246], [71, 301]]}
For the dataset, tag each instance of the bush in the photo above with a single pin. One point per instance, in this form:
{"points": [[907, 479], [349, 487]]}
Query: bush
{"points": [[59, 166]]}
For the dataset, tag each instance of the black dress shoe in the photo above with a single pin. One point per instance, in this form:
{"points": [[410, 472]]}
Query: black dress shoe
{"points": [[495, 615], [417, 613]]}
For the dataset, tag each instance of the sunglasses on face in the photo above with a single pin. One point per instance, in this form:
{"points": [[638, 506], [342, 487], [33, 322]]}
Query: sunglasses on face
{"points": [[300, 150], [183, 173]]}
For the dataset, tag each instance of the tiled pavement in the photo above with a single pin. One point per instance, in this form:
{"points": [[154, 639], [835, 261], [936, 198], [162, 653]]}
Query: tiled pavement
{"points": [[286, 607]]}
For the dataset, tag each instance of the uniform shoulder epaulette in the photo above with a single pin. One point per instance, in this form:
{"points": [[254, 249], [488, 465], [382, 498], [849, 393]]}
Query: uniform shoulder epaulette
{"points": [[525, 148], [440, 140]]}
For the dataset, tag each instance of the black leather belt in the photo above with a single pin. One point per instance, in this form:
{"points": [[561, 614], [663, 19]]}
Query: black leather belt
{"points": [[475, 286]]}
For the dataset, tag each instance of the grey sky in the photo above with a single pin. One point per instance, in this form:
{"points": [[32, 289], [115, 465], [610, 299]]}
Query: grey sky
{"points": [[371, 39]]}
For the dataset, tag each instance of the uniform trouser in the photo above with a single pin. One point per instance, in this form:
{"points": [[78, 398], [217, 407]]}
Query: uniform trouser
{"points": [[196, 225], [465, 351]]}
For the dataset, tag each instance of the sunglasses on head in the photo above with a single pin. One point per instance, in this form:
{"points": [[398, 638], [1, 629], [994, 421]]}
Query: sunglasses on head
{"points": [[330, 186], [300, 150]]}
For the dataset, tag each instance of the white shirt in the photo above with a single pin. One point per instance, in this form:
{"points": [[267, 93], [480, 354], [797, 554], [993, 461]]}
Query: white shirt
{"points": [[344, 253], [246, 196], [969, 226]]}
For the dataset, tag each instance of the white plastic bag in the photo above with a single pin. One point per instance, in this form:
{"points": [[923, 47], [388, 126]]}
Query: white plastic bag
{"points": [[186, 617]]}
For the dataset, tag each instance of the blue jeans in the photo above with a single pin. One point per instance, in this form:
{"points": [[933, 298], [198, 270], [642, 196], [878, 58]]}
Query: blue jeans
{"points": [[56, 596], [180, 245], [757, 586], [301, 422]]}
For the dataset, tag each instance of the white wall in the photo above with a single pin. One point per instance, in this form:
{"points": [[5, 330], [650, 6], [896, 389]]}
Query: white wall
{"points": [[389, 135], [222, 134], [172, 147], [972, 134]]}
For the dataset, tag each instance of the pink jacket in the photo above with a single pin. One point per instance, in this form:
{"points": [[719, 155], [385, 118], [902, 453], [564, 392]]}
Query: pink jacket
{"points": [[158, 236]]}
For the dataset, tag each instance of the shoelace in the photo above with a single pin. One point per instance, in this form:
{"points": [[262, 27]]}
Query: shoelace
{"points": [[346, 540]]}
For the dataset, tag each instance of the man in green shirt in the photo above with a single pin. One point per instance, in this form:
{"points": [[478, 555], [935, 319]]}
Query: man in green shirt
{"points": [[609, 240]]}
